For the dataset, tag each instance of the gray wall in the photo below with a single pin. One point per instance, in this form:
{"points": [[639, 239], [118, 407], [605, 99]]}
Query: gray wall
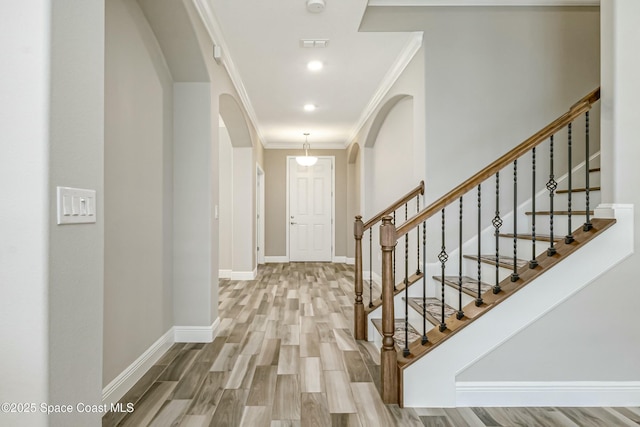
{"points": [[593, 336], [138, 189], [275, 171]]}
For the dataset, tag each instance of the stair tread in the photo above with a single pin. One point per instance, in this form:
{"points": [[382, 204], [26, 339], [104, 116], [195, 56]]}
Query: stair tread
{"points": [[398, 335], [578, 190], [560, 213], [433, 311], [503, 261], [540, 237], [399, 288], [469, 284]]}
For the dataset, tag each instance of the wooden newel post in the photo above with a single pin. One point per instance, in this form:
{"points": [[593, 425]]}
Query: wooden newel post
{"points": [[358, 308], [388, 355]]}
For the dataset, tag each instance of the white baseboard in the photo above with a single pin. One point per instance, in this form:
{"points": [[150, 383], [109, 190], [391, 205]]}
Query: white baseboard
{"points": [[224, 274], [556, 393], [339, 259], [276, 259], [244, 275], [196, 333], [132, 374], [350, 261]]}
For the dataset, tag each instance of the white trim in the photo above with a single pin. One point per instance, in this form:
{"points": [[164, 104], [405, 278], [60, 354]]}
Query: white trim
{"points": [[276, 259], [196, 333], [116, 389], [552, 393], [244, 275], [339, 259], [260, 224], [350, 261], [405, 56], [333, 204], [215, 32], [316, 146], [224, 274], [400, 3]]}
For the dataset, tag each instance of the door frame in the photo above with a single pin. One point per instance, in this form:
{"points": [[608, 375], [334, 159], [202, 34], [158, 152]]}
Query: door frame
{"points": [[260, 215], [333, 205]]}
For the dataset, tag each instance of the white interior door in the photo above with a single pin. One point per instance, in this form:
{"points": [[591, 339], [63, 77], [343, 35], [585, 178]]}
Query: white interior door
{"points": [[310, 211]]}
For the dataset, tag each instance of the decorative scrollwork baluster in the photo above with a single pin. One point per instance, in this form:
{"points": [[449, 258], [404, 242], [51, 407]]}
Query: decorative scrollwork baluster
{"points": [[418, 236], [587, 225], [497, 223], [552, 185], [370, 268], [514, 275], [533, 263], [479, 301], [424, 283], [460, 313], [443, 257]]}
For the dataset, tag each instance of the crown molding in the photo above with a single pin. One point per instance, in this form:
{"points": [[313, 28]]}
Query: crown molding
{"points": [[401, 3], [316, 146], [405, 56], [212, 25]]}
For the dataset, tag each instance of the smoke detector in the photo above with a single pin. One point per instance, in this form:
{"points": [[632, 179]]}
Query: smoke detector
{"points": [[315, 6]]}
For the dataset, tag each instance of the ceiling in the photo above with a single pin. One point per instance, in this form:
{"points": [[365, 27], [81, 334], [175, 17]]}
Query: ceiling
{"points": [[260, 41]]}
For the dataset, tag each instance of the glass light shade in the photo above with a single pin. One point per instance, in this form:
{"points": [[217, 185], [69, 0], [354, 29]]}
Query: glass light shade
{"points": [[306, 160]]}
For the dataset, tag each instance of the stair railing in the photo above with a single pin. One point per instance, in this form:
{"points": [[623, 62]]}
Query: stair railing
{"points": [[390, 234], [359, 230]]}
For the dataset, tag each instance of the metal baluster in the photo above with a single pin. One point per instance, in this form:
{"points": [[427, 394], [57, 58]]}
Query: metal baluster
{"points": [[569, 237], [587, 225], [497, 223], [552, 185], [443, 257], [406, 249], [370, 268], [479, 300], [533, 263], [406, 351], [424, 283], [418, 236], [460, 313], [514, 275]]}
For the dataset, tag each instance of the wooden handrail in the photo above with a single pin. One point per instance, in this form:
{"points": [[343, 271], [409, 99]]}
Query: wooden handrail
{"points": [[575, 111], [401, 201]]}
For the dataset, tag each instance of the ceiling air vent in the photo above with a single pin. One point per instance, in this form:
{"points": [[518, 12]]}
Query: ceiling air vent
{"points": [[314, 42]]}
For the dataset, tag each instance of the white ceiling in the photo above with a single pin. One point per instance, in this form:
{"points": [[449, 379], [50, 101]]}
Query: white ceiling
{"points": [[261, 50]]}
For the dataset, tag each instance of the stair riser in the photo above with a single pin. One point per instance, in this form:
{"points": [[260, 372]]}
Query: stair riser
{"points": [[578, 201], [451, 295], [488, 271], [560, 224], [524, 247]]}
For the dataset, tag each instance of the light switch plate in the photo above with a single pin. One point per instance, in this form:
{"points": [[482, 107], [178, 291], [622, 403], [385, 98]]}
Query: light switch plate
{"points": [[76, 205]]}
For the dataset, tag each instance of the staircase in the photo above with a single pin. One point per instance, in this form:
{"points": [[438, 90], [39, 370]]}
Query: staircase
{"points": [[531, 221]]}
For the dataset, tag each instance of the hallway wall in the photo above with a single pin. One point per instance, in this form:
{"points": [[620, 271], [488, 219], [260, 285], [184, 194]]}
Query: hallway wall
{"points": [[138, 189]]}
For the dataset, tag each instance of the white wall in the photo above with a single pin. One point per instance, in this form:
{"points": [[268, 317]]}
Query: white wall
{"points": [[138, 189], [195, 271], [225, 207], [593, 336], [243, 212], [24, 208]]}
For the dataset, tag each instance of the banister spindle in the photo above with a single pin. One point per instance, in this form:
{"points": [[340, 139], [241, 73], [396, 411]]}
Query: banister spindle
{"points": [[552, 185], [424, 283], [418, 236], [533, 263], [569, 237], [460, 313], [479, 300], [394, 255], [388, 354], [497, 223], [587, 225], [514, 275], [405, 351], [358, 309], [443, 257]]}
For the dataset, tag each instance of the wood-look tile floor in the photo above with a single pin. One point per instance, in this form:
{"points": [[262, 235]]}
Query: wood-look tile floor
{"points": [[284, 355]]}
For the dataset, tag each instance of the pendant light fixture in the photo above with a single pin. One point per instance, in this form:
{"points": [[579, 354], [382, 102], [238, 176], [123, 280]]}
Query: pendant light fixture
{"points": [[306, 160]]}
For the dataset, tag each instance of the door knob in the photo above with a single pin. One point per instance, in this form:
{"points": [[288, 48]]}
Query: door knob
{"points": [[293, 223]]}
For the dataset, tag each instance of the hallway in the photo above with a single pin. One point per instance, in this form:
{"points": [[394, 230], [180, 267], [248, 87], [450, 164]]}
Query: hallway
{"points": [[284, 355]]}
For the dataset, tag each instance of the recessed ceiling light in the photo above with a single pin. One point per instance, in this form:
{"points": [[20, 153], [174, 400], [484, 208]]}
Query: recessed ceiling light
{"points": [[315, 65], [309, 107]]}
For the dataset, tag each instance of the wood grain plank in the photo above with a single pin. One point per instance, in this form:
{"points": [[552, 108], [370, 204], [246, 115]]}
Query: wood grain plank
{"points": [[286, 402], [311, 378], [256, 416], [315, 410], [331, 357], [263, 386], [356, 368], [231, 408], [209, 394], [149, 404], [170, 414], [339, 397], [289, 360], [371, 410]]}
